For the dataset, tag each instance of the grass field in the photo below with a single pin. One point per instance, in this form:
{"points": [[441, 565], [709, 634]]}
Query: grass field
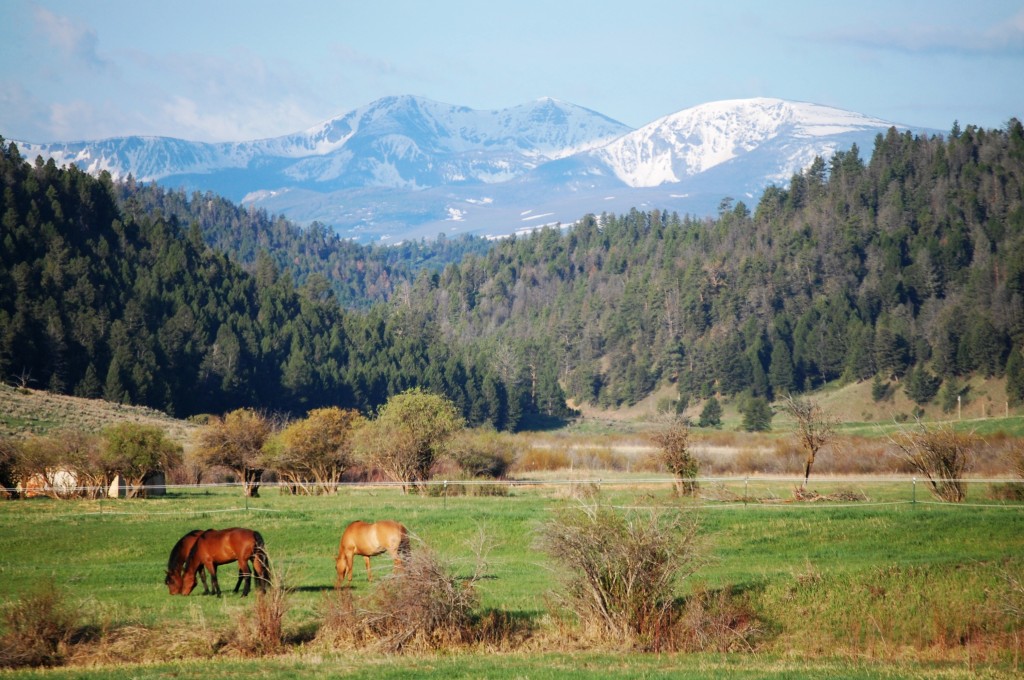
{"points": [[882, 588]]}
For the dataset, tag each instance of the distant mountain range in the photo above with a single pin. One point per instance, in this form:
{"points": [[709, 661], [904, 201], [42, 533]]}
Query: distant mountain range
{"points": [[408, 167]]}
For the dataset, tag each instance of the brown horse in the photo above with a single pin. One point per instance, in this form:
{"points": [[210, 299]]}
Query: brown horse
{"points": [[369, 539], [176, 563], [214, 547]]}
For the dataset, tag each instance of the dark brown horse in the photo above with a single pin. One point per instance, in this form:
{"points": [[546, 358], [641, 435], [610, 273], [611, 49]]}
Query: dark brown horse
{"points": [[369, 539], [214, 547]]}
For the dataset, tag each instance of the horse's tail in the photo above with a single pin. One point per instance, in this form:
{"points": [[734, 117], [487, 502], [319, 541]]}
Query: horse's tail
{"points": [[261, 560], [403, 545]]}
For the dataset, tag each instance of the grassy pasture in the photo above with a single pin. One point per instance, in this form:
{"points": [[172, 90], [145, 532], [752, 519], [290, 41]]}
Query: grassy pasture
{"points": [[857, 589]]}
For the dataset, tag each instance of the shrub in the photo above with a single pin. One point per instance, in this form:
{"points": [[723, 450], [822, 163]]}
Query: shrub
{"points": [[39, 627], [620, 570], [940, 453], [674, 442], [717, 621], [422, 605], [479, 453], [261, 629]]}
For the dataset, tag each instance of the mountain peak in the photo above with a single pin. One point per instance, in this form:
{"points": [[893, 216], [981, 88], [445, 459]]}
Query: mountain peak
{"points": [[410, 165], [694, 140]]}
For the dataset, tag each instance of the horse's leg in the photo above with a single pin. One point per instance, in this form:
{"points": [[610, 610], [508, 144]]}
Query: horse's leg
{"points": [[348, 560], [201, 572], [369, 576], [241, 575], [243, 568], [339, 566], [212, 568], [393, 552], [202, 575]]}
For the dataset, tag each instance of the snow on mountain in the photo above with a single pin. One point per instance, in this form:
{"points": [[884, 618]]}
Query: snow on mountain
{"points": [[410, 167], [687, 143], [403, 142]]}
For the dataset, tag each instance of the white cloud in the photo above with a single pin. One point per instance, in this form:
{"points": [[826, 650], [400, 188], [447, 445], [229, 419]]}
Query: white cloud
{"points": [[75, 42]]}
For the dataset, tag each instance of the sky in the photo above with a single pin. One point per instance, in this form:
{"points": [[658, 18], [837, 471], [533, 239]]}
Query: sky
{"points": [[225, 70]]}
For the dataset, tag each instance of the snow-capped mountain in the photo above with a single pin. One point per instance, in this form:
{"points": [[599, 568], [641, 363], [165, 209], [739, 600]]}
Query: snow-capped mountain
{"points": [[677, 147], [404, 167], [397, 142]]}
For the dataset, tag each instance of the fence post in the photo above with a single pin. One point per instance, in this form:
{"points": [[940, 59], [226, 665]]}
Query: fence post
{"points": [[913, 497], [446, 494]]}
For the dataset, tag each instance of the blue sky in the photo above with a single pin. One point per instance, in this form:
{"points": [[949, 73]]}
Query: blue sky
{"points": [[221, 70]]}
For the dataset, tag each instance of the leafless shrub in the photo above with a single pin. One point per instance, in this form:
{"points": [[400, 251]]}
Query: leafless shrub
{"points": [[260, 628], [620, 570], [424, 605], [814, 428], [941, 454], [717, 621], [40, 625], [674, 442]]}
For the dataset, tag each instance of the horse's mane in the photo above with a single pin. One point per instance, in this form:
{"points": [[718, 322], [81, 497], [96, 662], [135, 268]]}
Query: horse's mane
{"points": [[174, 562]]}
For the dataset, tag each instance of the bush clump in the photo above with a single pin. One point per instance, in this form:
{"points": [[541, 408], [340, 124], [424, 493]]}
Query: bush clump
{"points": [[621, 569], [40, 626], [423, 605]]}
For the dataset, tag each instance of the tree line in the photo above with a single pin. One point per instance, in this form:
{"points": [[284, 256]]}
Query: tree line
{"points": [[907, 268], [99, 299]]}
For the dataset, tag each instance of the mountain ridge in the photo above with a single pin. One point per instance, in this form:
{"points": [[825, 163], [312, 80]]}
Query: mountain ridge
{"points": [[408, 167]]}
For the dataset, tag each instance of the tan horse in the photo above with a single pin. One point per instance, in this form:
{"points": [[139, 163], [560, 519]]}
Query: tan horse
{"points": [[369, 539], [214, 547]]}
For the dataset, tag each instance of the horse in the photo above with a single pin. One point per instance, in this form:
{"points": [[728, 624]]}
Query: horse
{"points": [[176, 562], [369, 539], [214, 547]]}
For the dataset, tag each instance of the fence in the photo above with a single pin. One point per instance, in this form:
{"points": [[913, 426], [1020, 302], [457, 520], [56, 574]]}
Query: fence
{"points": [[708, 493]]}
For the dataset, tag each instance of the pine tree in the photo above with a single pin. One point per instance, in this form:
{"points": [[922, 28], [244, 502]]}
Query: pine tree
{"points": [[711, 414], [1015, 377]]}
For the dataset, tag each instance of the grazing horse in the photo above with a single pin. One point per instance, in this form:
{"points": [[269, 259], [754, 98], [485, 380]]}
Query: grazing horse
{"points": [[176, 563], [220, 546], [369, 539]]}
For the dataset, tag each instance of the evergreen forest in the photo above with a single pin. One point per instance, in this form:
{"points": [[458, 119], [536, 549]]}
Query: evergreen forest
{"points": [[906, 268]]}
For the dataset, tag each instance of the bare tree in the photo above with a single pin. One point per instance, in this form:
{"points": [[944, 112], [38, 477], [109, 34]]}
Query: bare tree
{"points": [[815, 428], [941, 454]]}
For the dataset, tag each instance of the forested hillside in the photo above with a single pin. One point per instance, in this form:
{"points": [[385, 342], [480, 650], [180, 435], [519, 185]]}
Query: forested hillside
{"points": [[134, 307], [907, 268], [359, 275]]}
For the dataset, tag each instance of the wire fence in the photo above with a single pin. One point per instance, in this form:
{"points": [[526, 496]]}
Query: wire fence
{"points": [[712, 493]]}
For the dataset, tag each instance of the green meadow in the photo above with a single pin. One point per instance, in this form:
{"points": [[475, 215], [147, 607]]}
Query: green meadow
{"points": [[879, 587]]}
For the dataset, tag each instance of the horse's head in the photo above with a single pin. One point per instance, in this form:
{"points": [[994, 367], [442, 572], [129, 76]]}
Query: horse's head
{"points": [[173, 582], [188, 582]]}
